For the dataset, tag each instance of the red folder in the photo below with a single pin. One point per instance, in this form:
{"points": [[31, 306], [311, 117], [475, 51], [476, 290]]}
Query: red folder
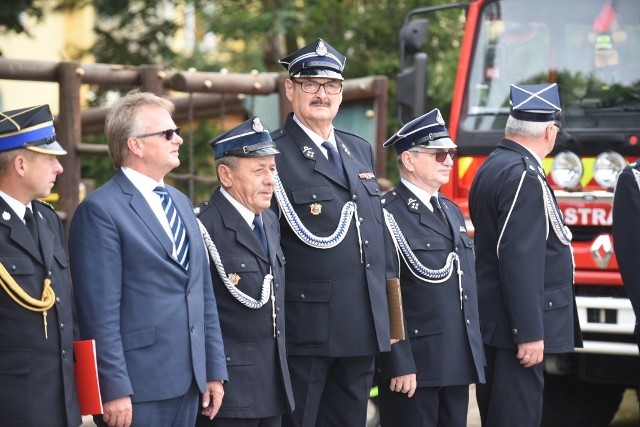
{"points": [[86, 370]]}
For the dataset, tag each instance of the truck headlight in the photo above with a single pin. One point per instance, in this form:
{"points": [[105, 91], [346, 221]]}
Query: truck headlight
{"points": [[566, 169], [607, 168]]}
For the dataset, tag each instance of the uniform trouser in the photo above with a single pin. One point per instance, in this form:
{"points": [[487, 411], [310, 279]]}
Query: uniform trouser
{"points": [[176, 412], [429, 406], [239, 422], [329, 391], [512, 394]]}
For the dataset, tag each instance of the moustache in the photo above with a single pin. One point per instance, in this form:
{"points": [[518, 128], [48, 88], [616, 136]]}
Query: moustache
{"points": [[321, 102]]}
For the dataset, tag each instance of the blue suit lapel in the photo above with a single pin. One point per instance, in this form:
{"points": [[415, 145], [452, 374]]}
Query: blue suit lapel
{"points": [[142, 209]]}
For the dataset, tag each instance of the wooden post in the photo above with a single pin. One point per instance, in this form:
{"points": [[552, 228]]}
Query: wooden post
{"points": [[69, 135]]}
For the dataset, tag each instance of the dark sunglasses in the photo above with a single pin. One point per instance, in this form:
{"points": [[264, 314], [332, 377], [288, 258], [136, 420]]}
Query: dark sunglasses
{"points": [[168, 134], [441, 156]]}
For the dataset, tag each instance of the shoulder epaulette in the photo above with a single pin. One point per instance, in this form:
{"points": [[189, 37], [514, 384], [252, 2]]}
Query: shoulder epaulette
{"points": [[43, 203], [198, 210], [349, 133]]}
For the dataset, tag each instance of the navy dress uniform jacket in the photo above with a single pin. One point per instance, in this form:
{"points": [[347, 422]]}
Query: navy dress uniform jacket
{"points": [[259, 384], [336, 301], [525, 274], [626, 233], [155, 324], [444, 343], [36, 374]]}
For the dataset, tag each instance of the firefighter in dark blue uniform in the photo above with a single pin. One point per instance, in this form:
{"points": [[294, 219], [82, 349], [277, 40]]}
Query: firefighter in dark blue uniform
{"points": [[427, 376], [37, 315], [333, 240], [524, 262], [626, 234], [247, 270]]}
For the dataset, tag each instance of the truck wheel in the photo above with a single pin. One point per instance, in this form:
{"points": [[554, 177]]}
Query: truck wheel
{"points": [[570, 402]]}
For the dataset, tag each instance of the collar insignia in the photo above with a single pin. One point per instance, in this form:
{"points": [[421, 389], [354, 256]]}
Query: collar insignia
{"points": [[345, 149], [308, 152], [6, 216], [413, 204]]}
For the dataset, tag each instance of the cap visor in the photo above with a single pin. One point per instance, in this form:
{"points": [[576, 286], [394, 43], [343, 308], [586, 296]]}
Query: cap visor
{"points": [[53, 148], [319, 72]]}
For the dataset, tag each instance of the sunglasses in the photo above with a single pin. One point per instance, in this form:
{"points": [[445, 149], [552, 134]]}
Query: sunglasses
{"points": [[168, 134], [440, 156]]}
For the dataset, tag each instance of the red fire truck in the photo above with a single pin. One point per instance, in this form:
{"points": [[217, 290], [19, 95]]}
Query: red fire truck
{"points": [[591, 48]]}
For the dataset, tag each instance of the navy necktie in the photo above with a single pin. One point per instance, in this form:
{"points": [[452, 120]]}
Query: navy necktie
{"points": [[258, 230], [438, 210], [179, 233], [334, 159], [30, 222]]}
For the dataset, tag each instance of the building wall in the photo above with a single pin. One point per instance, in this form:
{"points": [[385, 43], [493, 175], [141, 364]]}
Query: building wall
{"points": [[57, 37]]}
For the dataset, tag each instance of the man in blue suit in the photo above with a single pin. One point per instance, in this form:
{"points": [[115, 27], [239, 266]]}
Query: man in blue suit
{"points": [[248, 279], [427, 377], [334, 240], [142, 280]]}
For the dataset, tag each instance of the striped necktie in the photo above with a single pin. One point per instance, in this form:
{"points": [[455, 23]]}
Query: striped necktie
{"points": [[179, 233]]}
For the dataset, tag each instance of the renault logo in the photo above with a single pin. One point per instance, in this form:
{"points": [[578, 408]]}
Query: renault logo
{"points": [[602, 250]]}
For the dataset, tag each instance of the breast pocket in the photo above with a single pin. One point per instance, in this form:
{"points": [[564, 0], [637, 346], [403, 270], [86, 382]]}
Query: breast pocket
{"points": [[247, 270], [315, 206], [469, 253], [374, 197]]}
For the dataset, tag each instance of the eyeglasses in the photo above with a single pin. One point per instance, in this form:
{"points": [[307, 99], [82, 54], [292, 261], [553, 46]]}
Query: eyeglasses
{"points": [[330, 88], [440, 156], [168, 134]]}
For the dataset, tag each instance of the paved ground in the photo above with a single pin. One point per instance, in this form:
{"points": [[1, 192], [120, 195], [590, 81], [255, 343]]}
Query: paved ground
{"points": [[627, 416]]}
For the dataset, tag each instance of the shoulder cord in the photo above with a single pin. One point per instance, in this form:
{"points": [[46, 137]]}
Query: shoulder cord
{"points": [[246, 300], [25, 300], [349, 210], [555, 217], [636, 175], [415, 267], [524, 173]]}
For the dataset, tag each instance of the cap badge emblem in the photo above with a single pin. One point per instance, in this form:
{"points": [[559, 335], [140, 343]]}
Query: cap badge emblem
{"points": [[316, 208], [234, 278], [257, 125], [321, 49], [439, 119]]}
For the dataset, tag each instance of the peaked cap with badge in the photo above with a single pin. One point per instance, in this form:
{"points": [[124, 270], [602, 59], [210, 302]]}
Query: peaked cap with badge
{"points": [[428, 130], [535, 103], [30, 128], [317, 59], [248, 139]]}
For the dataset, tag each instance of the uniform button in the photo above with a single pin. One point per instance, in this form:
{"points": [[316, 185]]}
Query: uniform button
{"points": [[13, 268], [206, 203], [62, 326], [314, 197], [277, 309], [242, 265], [64, 353], [428, 245], [58, 300], [277, 285], [514, 331], [228, 359], [368, 266], [468, 322], [465, 297], [377, 191], [302, 296], [278, 334], [366, 243], [192, 328], [361, 219], [457, 249], [550, 303], [415, 332], [49, 273], [354, 197]]}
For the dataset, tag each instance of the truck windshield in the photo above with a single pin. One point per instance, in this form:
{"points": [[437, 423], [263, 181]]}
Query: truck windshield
{"points": [[589, 47]]}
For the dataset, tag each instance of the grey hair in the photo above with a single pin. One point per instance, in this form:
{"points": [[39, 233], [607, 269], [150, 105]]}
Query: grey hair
{"points": [[526, 129]]}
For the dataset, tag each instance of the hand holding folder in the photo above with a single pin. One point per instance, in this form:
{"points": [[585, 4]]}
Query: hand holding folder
{"points": [[86, 372]]}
